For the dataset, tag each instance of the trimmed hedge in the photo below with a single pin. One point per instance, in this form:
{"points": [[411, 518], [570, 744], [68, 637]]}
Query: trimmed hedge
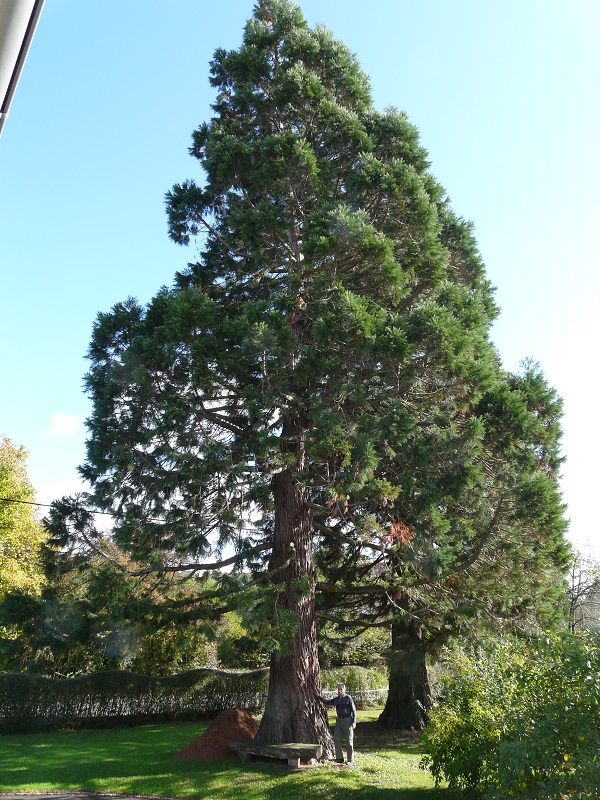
{"points": [[31, 703]]}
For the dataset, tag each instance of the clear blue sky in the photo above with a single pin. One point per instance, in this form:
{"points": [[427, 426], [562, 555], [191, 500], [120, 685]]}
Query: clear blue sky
{"points": [[505, 94]]}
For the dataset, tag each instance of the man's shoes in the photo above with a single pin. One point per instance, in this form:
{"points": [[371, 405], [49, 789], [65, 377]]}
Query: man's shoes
{"points": [[339, 761], [350, 763]]}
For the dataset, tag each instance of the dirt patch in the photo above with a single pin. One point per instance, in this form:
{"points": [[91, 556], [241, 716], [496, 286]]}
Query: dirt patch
{"points": [[213, 744]]}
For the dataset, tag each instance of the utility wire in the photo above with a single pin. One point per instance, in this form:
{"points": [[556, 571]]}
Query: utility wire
{"points": [[106, 513], [42, 505]]}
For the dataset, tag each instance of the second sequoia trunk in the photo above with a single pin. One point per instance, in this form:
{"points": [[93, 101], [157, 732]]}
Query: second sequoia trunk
{"points": [[409, 696]]}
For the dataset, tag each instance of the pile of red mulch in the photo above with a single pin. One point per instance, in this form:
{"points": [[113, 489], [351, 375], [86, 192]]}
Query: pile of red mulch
{"points": [[213, 744]]}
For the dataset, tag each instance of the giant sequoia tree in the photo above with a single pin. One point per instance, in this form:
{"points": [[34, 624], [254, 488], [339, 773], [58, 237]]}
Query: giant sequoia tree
{"points": [[314, 375], [498, 563]]}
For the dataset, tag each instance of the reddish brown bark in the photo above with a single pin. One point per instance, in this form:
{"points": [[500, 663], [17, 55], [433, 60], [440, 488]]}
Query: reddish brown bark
{"points": [[292, 712], [409, 696]]}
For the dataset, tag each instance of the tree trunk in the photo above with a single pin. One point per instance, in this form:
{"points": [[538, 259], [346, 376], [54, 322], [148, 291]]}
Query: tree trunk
{"points": [[292, 712], [409, 697]]}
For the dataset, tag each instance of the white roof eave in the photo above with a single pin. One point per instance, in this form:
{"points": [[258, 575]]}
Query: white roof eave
{"points": [[18, 21]]}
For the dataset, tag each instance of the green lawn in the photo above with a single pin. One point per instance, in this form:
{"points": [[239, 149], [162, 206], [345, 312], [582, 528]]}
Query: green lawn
{"points": [[141, 761]]}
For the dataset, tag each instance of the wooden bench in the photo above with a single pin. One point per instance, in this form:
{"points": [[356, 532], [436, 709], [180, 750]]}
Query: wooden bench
{"points": [[291, 752]]}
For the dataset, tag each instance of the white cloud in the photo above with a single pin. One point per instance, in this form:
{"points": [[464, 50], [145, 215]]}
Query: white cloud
{"points": [[47, 492], [64, 425]]}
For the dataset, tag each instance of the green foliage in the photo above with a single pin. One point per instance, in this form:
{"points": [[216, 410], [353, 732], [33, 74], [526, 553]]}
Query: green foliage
{"points": [[470, 719], [339, 648], [326, 365], [520, 720], [336, 293], [237, 647], [483, 544], [21, 534], [32, 703], [367, 685], [281, 639], [356, 678], [93, 615]]}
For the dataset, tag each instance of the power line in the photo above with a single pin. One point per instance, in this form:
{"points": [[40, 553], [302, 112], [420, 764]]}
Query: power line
{"points": [[43, 505], [106, 513]]}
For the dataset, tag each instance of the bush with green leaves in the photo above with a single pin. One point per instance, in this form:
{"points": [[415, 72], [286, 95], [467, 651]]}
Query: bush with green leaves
{"points": [[237, 646], [32, 703], [520, 720], [92, 615], [367, 686], [338, 648]]}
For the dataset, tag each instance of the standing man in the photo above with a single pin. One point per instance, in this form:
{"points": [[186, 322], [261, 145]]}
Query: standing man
{"points": [[345, 723]]}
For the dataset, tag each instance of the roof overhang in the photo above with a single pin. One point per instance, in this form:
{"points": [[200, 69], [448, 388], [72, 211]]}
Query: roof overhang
{"points": [[18, 21]]}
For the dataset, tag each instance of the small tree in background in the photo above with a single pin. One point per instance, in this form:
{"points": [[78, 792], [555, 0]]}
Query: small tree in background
{"points": [[584, 594], [21, 534], [98, 610]]}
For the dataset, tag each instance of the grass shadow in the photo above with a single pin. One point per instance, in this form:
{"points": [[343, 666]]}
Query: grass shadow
{"points": [[374, 738], [142, 761]]}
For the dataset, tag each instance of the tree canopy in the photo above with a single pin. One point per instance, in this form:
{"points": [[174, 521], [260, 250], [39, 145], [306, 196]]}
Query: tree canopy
{"points": [[322, 378], [21, 534], [94, 614]]}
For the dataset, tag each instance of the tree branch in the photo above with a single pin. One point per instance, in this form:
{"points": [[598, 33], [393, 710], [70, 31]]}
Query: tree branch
{"points": [[482, 542], [360, 623], [331, 588], [345, 539], [210, 566]]}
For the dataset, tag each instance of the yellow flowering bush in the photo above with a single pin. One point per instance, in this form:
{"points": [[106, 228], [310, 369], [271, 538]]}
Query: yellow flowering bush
{"points": [[520, 720]]}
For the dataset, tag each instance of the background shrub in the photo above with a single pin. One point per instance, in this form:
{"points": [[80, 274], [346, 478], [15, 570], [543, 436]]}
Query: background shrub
{"points": [[367, 686], [521, 719], [237, 646], [30, 703]]}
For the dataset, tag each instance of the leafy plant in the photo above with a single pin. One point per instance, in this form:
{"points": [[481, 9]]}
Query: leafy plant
{"points": [[520, 719], [21, 534]]}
